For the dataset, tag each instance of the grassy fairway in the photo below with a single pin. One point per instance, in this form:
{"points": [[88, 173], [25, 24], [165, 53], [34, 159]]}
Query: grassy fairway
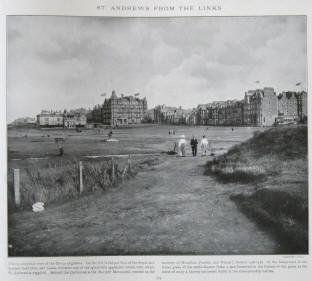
{"points": [[28, 143], [52, 178], [274, 164]]}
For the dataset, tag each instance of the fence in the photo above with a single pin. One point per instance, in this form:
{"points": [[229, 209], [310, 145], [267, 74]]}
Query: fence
{"points": [[67, 182]]}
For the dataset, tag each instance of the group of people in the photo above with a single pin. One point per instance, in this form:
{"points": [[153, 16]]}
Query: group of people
{"points": [[172, 132], [181, 144]]}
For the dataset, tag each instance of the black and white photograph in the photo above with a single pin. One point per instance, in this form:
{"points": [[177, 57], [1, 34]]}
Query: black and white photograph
{"points": [[157, 135]]}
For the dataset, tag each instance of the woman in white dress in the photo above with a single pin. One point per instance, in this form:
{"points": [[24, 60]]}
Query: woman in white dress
{"points": [[181, 146], [204, 146]]}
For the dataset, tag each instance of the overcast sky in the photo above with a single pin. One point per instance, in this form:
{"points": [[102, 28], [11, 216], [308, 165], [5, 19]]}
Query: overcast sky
{"points": [[68, 62]]}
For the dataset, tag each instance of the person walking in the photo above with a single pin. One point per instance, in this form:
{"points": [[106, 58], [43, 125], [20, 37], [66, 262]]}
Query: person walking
{"points": [[194, 143], [182, 146], [204, 146]]}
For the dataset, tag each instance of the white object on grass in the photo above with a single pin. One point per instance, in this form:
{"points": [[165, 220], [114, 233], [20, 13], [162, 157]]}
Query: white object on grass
{"points": [[38, 207], [111, 140]]}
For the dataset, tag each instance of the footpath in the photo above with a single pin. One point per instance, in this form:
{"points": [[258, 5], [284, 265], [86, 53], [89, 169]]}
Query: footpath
{"points": [[172, 208]]}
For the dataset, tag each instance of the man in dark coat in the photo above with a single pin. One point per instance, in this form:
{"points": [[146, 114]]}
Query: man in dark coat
{"points": [[194, 144]]}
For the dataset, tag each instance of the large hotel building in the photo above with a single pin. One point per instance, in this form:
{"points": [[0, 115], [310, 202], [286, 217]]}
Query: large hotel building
{"points": [[120, 111]]}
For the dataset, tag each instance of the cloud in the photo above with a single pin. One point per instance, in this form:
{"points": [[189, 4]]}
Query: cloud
{"points": [[67, 62]]}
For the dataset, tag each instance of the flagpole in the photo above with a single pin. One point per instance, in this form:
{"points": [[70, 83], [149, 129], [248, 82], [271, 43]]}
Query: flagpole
{"points": [[259, 85], [301, 86]]}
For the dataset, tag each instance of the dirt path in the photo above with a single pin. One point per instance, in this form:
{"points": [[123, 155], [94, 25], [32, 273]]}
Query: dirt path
{"points": [[171, 209]]}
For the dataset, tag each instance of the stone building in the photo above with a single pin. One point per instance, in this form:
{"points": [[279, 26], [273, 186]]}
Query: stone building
{"points": [[123, 111], [149, 116], [221, 117], [302, 103], [234, 113], [80, 116], [287, 104], [202, 114], [292, 107], [220, 113], [72, 119], [170, 115], [247, 113], [159, 111], [260, 107], [49, 118], [69, 121], [213, 114], [191, 117], [96, 114], [174, 116]]}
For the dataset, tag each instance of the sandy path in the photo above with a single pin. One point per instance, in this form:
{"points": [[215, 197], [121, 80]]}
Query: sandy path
{"points": [[171, 209]]}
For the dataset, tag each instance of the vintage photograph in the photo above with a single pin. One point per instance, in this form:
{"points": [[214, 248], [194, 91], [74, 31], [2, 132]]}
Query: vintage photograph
{"points": [[157, 136]]}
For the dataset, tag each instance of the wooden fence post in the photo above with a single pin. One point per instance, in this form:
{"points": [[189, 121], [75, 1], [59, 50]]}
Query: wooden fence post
{"points": [[129, 162], [113, 170], [80, 178], [17, 195]]}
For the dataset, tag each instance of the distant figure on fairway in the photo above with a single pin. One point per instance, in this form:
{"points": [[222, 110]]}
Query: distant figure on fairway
{"points": [[110, 134], [182, 146], [204, 146], [194, 143], [61, 150], [59, 145]]}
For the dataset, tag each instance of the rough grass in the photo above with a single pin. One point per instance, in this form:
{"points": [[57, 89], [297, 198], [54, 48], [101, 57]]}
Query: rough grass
{"points": [[52, 184], [262, 156], [275, 164], [283, 212]]}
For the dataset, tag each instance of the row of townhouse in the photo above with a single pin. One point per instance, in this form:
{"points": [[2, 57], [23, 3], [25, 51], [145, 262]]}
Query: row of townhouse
{"points": [[71, 119], [171, 115], [261, 107]]}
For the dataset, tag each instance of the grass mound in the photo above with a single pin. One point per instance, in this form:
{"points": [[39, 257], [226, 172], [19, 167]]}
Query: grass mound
{"points": [[275, 165], [262, 156]]}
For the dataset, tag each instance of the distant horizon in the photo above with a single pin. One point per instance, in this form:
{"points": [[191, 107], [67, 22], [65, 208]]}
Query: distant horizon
{"points": [[66, 62], [167, 105]]}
